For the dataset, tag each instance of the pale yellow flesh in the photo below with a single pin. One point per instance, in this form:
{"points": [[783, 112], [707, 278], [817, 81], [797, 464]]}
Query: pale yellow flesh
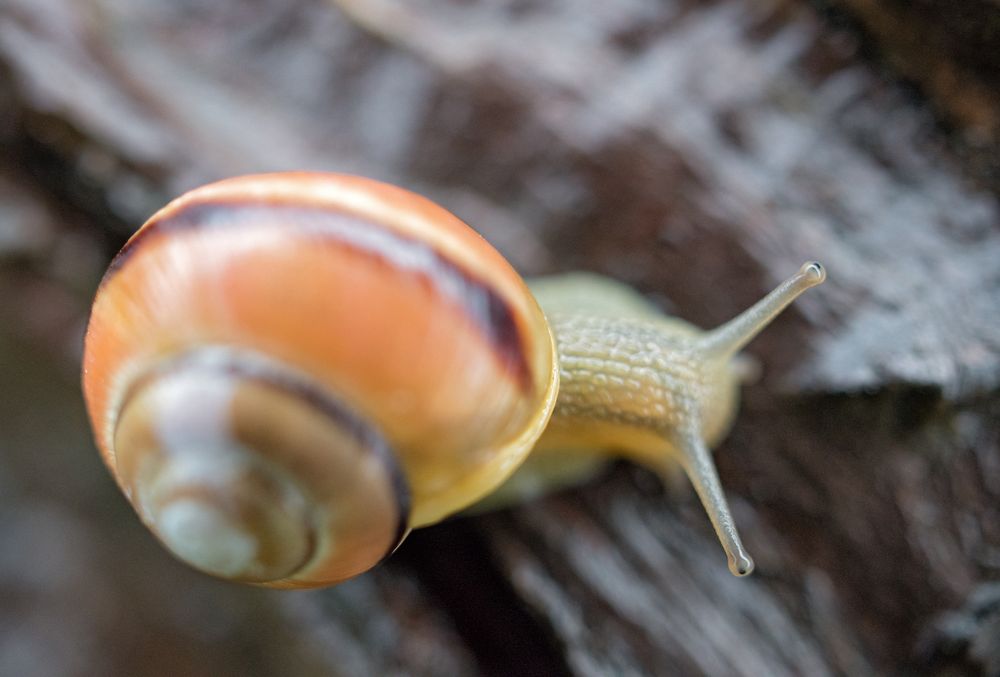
{"points": [[638, 384]]}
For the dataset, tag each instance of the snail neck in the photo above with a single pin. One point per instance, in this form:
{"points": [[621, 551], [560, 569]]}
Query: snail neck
{"points": [[645, 388], [633, 383], [652, 387], [629, 375]]}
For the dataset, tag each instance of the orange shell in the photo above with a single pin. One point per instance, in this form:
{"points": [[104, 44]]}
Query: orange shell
{"points": [[378, 294]]}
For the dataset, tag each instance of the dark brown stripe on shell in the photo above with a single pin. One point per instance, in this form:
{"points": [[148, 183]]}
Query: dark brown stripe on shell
{"points": [[257, 369], [484, 307]]}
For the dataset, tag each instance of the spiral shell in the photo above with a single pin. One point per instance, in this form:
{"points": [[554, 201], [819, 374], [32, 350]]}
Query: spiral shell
{"points": [[285, 373]]}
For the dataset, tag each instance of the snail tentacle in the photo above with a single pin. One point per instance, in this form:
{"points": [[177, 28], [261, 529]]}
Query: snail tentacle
{"points": [[728, 339], [697, 462]]}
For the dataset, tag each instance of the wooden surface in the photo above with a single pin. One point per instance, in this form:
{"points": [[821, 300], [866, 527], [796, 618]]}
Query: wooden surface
{"points": [[698, 150], [951, 53]]}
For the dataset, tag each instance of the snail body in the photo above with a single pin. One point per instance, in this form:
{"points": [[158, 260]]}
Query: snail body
{"points": [[286, 373]]}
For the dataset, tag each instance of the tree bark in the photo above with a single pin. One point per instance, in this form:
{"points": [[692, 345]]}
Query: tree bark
{"points": [[698, 150], [951, 51]]}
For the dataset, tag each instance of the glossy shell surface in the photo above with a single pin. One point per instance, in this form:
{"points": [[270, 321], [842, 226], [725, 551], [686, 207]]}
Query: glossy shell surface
{"points": [[372, 293]]}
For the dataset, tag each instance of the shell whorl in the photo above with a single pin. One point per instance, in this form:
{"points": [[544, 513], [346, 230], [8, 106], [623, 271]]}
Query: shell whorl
{"points": [[250, 472]]}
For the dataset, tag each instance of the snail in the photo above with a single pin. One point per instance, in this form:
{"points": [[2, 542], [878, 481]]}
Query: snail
{"points": [[286, 373]]}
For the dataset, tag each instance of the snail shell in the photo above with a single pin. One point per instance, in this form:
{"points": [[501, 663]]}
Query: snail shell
{"points": [[286, 373]]}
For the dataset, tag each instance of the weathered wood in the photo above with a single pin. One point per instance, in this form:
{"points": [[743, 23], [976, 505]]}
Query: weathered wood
{"points": [[697, 150], [951, 51]]}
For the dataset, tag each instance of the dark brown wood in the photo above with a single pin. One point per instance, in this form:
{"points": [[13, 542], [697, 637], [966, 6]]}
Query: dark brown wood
{"points": [[699, 150], [951, 52]]}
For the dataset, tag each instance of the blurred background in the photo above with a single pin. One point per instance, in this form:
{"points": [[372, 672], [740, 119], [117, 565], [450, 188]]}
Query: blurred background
{"points": [[698, 150]]}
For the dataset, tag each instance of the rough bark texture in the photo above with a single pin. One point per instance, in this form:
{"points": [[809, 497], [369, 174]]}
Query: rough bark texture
{"points": [[698, 150], [951, 51]]}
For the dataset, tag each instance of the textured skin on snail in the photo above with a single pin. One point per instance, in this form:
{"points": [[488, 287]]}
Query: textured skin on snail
{"points": [[285, 373]]}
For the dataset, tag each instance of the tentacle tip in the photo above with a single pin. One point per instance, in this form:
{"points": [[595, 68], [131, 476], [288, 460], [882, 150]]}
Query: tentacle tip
{"points": [[741, 565], [813, 272]]}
